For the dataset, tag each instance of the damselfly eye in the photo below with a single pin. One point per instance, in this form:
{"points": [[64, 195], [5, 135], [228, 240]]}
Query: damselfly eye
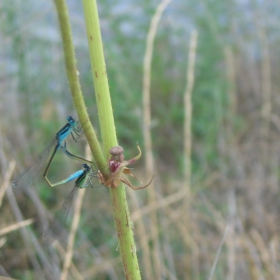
{"points": [[70, 119], [85, 166]]}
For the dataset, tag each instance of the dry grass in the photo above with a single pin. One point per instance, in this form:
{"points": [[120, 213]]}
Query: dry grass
{"points": [[230, 228], [188, 250]]}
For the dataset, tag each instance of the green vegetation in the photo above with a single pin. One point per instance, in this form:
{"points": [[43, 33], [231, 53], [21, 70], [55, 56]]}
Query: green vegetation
{"points": [[235, 136]]}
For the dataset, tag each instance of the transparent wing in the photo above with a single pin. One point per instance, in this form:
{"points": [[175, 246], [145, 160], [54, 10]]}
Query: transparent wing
{"points": [[57, 224], [29, 175]]}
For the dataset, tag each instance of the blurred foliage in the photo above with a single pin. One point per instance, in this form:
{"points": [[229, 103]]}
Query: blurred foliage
{"points": [[124, 37], [228, 147]]}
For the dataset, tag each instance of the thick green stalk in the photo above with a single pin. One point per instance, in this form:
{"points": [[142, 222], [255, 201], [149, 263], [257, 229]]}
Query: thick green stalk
{"points": [[73, 78], [109, 139], [99, 73]]}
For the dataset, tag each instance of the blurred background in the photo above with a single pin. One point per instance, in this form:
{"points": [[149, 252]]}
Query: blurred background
{"points": [[219, 218]]}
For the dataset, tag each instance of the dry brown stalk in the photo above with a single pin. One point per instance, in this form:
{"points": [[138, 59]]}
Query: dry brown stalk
{"points": [[74, 270], [188, 111], [16, 226], [7, 180], [149, 162]]}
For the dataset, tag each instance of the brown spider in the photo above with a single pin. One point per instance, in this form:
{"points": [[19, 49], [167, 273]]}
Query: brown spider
{"points": [[117, 166]]}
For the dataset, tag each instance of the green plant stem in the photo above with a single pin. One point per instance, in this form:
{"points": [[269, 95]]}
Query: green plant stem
{"points": [[99, 73], [109, 139], [105, 112], [75, 88]]}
